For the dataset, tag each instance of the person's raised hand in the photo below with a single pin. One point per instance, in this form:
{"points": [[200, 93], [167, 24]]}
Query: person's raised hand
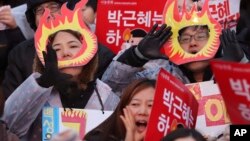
{"points": [[149, 47], [129, 123], [231, 49], [7, 18], [51, 75]]}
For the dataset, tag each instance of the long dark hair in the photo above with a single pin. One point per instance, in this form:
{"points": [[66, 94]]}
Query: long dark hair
{"points": [[113, 127]]}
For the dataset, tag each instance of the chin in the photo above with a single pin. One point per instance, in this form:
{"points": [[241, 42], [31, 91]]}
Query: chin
{"points": [[72, 70], [197, 66]]}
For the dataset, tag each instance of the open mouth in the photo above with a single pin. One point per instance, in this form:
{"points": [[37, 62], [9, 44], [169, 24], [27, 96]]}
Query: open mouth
{"points": [[141, 125], [193, 52]]}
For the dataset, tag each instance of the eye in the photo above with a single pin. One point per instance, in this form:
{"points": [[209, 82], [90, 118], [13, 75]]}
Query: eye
{"points": [[38, 10], [185, 38], [202, 35], [73, 46], [57, 49], [150, 105], [134, 104], [84, 8]]}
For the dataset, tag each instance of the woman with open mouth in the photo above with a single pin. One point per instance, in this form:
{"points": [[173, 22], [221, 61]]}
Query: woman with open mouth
{"points": [[129, 120]]}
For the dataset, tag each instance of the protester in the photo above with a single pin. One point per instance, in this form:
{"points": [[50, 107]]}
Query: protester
{"points": [[69, 87], [184, 134], [10, 36], [89, 14], [128, 66], [129, 121], [17, 71], [88, 11]]}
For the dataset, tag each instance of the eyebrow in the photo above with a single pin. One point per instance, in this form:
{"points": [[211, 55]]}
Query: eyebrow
{"points": [[140, 100], [57, 44], [195, 33]]}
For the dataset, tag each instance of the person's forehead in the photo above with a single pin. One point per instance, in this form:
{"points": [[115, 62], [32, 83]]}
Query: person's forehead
{"points": [[193, 29]]}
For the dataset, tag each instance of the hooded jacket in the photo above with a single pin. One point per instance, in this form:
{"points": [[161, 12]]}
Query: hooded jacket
{"points": [[29, 98]]}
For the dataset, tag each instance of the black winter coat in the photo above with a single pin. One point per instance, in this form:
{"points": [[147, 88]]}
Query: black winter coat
{"points": [[9, 38]]}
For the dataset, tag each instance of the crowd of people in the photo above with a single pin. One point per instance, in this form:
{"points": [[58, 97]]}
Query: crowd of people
{"points": [[124, 83]]}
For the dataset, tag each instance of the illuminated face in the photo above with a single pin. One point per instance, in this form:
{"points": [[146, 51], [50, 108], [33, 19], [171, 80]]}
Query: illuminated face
{"points": [[67, 46], [193, 39], [185, 139], [140, 106], [54, 8]]}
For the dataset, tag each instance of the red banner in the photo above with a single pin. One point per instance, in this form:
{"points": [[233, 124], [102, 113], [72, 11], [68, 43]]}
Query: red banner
{"points": [[117, 20], [234, 82], [174, 106]]}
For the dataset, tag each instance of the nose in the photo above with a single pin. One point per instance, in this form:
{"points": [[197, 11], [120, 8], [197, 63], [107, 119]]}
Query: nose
{"points": [[192, 42], [143, 110], [66, 54]]}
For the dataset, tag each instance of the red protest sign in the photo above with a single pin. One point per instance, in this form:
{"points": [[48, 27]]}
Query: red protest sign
{"points": [[173, 105], [121, 24], [234, 83], [226, 12]]}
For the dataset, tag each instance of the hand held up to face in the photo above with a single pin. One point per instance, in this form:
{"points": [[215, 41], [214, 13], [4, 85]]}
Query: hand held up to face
{"points": [[231, 50], [7, 18], [51, 75], [149, 47], [129, 122]]}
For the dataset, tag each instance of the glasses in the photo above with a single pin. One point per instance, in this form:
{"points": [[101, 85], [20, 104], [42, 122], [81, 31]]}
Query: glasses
{"points": [[184, 39], [53, 7]]}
